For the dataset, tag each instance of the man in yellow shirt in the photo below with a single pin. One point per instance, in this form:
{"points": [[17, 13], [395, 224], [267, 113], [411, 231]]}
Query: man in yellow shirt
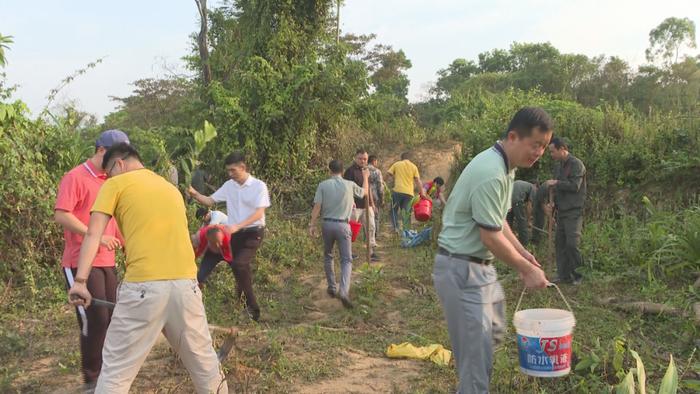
{"points": [[159, 291], [406, 180]]}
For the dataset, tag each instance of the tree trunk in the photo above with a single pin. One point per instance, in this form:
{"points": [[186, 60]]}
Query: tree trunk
{"points": [[202, 41]]}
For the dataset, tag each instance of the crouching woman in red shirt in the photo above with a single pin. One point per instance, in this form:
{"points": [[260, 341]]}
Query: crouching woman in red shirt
{"points": [[215, 244]]}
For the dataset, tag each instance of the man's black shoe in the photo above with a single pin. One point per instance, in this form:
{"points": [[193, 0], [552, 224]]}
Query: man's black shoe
{"points": [[346, 303], [331, 292], [374, 257], [254, 314]]}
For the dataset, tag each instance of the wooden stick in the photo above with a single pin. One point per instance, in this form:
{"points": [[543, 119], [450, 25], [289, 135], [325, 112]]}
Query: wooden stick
{"points": [[550, 229], [234, 330], [649, 308], [368, 206], [342, 329], [6, 292], [225, 330], [358, 351]]}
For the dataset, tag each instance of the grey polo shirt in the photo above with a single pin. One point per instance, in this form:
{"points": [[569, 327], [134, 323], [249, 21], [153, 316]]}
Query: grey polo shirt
{"points": [[479, 199], [336, 197]]}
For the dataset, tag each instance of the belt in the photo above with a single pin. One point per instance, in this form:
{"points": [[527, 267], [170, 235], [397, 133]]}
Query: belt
{"points": [[335, 220], [465, 257], [251, 229]]}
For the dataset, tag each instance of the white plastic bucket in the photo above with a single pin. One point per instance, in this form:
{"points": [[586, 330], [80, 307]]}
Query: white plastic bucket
{"points": [[544, 339]]}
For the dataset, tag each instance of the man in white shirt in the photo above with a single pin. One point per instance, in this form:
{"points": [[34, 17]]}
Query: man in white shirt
{"points": [[246, 200]]}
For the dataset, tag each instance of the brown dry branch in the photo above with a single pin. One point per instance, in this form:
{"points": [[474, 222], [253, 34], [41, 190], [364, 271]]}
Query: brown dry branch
{"points": [[651, 308]]}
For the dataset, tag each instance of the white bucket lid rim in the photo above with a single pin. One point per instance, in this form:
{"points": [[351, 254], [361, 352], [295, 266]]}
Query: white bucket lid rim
{"points": [[544, 319]]}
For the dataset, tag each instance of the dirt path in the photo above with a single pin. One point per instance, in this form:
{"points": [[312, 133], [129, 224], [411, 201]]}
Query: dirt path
{"points": [[432, 160], [312, 344], [364, 373]]}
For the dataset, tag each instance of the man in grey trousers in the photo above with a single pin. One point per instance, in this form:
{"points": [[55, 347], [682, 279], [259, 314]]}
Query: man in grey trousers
{"points": [[474, 232], [333, 202]]}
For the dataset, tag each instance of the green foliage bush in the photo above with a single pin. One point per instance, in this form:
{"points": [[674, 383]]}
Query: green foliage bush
{"points": [[33, 156], [662, 244], [620, 147]]}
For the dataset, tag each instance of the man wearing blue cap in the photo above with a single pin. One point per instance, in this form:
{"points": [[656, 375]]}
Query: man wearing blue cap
{"points": [[76, 195]]}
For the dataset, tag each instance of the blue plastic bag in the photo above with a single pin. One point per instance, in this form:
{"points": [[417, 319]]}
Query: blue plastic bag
{"points": [[411, 238]]}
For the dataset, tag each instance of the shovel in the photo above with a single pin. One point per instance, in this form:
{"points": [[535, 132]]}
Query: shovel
{"points": [[221, 354], [226, 347], [95, 301]]}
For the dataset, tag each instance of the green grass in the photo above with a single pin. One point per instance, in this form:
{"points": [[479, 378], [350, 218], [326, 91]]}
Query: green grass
{"points": [[395, 303]]}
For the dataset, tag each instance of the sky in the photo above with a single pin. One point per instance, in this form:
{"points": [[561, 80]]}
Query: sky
{"points": [[148, 38]]}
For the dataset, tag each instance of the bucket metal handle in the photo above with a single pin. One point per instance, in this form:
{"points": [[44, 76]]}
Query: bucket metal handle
{"points": [[550, 284]]}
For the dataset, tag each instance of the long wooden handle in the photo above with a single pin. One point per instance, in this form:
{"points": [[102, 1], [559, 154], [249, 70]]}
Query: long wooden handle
{"points": [[550, 228], [368, 206]]}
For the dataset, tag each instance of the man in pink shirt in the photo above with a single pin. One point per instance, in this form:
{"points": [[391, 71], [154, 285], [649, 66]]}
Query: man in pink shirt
{"points": [[76, 195]]}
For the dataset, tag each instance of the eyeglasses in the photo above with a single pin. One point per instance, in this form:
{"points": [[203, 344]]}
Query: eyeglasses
{"points": [[109, 173]]}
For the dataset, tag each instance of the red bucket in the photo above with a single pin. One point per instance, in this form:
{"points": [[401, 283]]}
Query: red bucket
{"points": [[355, 228], [423, 210]]}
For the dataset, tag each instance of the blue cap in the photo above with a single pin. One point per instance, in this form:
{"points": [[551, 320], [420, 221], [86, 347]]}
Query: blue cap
{"points": [[111, 137]]}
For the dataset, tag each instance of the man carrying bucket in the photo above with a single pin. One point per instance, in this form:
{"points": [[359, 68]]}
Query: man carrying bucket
{"points": [[355, 173], [406, 180], [376, 189], [435, 189], [333, 202], [474, 232]]}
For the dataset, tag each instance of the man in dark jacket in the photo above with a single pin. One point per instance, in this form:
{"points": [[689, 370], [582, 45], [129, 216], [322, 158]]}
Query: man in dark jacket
{"points": [[355, 173], [569, 195]]}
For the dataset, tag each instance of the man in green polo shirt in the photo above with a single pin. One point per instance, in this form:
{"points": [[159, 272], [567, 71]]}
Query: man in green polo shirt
{"points": [[474, 232]]}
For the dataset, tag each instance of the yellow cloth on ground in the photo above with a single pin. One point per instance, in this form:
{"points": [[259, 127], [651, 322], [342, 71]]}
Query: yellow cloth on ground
{"points": [[435, 353]]}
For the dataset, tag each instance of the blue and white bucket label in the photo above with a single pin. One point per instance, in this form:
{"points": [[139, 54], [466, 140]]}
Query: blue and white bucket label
{"points": [[545, 354]]}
